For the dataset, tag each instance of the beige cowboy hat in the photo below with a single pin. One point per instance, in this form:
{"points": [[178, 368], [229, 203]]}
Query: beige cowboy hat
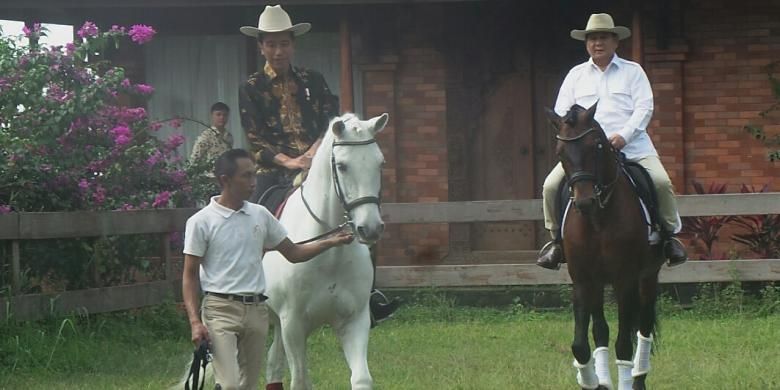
{"points": [[601, 23], [275, 19]]}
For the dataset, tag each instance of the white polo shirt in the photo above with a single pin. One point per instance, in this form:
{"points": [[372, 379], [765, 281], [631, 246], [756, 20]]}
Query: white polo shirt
{"points": [[625, 101], [230, 243]]}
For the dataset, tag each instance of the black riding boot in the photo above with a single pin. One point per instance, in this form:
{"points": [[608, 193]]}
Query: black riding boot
{"points": [[674, 250], [380, 307], [551, 255]]}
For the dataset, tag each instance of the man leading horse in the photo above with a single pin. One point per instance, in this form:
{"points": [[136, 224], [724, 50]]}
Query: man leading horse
{"points": [[625, 106]]}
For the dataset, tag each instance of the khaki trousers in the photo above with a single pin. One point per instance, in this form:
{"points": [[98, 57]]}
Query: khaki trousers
{"points": [[237, 332], [667, 204]]}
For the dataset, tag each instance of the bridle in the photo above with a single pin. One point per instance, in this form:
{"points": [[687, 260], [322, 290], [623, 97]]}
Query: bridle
{"points": [[348, 205], [603, 192]]}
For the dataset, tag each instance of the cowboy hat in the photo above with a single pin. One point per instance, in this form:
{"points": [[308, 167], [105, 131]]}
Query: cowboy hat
{"points": [[601, 23], [275, 19]]}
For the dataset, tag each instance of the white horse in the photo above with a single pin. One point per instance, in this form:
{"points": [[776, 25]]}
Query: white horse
{"points": [[334, 287]]}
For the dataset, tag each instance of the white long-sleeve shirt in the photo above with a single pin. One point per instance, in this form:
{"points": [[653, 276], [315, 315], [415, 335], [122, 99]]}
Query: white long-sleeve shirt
{"points": [[625, 101]]}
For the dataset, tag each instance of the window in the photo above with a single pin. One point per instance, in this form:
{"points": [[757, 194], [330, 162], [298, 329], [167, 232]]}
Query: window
{"points": [[56, 34], [13, 28]]}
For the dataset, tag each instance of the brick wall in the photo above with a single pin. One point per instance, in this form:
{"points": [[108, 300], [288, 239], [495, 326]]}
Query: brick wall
{"points": [[709, 83], [409, 83]]}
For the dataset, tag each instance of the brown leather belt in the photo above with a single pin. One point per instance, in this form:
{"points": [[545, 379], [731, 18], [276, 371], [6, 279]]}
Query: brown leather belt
{"points": [[245, 299]]}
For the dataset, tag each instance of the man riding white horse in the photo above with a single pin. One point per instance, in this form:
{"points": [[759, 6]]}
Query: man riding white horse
{"points": [[285, 111], [625, 106]]}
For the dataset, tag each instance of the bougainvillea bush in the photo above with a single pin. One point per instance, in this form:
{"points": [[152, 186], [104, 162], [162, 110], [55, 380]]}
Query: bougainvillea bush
{"points": [[74, 135]]}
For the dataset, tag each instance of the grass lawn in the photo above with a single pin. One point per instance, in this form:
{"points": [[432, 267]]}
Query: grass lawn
{"points": [[430, 345]]}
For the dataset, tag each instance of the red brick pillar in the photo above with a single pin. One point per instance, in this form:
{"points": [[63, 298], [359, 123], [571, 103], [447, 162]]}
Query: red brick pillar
{"points": [[665, 69], [379, 95]]}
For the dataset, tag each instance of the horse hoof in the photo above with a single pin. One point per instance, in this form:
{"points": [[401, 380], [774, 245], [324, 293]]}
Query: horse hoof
{"points": [[274, 386]]}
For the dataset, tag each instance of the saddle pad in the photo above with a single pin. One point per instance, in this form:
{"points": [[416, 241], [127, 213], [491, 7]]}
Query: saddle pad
{"points": [[653, 236], [641, 182]]}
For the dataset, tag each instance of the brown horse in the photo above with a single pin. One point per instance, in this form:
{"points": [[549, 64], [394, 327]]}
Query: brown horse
{"points": [[605, 241]]}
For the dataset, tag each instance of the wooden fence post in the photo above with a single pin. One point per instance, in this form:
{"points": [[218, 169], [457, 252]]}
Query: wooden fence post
{"points": [[16, 269], [166, 254]]}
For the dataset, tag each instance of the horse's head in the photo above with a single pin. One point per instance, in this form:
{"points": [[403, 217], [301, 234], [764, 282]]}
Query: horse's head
{"points": [[356, 164], [582, 148]]}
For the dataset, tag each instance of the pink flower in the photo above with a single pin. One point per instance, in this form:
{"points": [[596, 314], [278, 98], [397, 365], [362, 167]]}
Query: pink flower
{"points": [[83, 184], [131, 114], [141, 34], [125, 83], [35, 30], [155, 126], [178, 177], [154, 158], [162, 199], [88, 30], [122, 140], [144, 89], [100, 195], [175, 123], [126, 207], [120, 130], [122, 135], [117, 29], [174, 141], [5, 209]]}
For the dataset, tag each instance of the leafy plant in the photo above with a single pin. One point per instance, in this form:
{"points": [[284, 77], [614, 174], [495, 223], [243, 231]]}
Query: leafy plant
{"points": [[703, 232], [756, 130], [761, 232], [75, 136]]}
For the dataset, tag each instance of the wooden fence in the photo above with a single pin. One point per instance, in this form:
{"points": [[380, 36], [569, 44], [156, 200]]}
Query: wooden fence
{"points": [[16, 227]]}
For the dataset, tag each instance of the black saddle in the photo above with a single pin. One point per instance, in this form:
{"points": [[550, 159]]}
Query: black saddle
{"points": [[275, 197], [642, 184]]}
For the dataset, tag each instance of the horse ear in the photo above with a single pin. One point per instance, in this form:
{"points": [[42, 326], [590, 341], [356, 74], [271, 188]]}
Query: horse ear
{"points": [[591, 111], [379, 123], [554, 119], [338, 127]]}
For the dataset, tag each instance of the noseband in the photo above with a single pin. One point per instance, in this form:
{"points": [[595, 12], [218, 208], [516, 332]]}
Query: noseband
{"points": [[348, 205], [351, 205], [603, 192]]}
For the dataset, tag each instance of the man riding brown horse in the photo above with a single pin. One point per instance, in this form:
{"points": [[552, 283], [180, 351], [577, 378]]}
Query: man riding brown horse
{"points": [[625, 106]]}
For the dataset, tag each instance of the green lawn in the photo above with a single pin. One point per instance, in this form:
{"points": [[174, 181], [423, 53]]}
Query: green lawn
{"points": [[433, 345]]}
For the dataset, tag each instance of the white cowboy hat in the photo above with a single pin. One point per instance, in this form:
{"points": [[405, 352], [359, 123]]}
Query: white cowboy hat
{"points": [[601, 23], [275, 19]]}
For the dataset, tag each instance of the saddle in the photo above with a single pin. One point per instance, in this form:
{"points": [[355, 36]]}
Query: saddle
{"points": [[643, 187], [275, 197]]}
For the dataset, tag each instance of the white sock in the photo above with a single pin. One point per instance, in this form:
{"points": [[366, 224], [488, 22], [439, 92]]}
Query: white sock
{"points": [[601, 356], [586, 375], [625, 379], [642, 356]]}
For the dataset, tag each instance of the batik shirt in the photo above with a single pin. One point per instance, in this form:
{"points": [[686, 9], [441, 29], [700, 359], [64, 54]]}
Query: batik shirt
{"points": [[284, 113], [211, 143]]}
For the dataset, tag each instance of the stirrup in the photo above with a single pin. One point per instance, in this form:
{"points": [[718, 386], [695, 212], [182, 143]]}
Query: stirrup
{"points": [[669, 262]]}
